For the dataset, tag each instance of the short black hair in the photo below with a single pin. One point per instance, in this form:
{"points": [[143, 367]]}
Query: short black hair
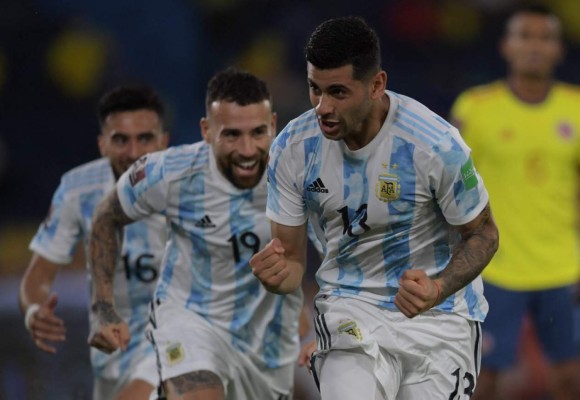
{"points": [[534, 8], [345, 41], [236, 86], [130, 98]]}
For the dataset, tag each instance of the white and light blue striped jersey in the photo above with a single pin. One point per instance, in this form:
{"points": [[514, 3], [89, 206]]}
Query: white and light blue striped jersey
{"points": [[383, 209], [70, 221], [215, 228]]}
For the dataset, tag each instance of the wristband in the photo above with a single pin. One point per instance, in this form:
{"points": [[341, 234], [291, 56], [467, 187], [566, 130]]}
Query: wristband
{"points": [[29, 312]]}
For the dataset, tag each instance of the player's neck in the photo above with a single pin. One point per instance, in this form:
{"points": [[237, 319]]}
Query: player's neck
{"points": [[530, 89], [371, 126]]}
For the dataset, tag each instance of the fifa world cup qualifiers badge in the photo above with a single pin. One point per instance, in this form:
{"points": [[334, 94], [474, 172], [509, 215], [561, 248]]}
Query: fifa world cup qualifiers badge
{"points": [[138, 171], [468, 175]]}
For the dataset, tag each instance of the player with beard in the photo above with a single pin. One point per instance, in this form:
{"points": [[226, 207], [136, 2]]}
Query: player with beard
{"points": [[131, 119], [218, 333]]}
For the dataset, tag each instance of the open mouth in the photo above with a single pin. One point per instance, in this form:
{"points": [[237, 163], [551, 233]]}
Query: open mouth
{"points": [[328, 127], [246, 168]]}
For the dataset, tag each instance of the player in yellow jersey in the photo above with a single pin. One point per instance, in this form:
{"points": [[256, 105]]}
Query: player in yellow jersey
{"points": [[524, 132]]}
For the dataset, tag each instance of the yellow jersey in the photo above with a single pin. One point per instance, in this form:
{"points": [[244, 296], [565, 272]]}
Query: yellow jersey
{"points": [[529, 157]]}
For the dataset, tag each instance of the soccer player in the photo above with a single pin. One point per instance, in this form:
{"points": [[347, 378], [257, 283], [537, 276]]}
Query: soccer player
{"points": [[217, 332], [131, 120], [405, 223], [525, 134]]}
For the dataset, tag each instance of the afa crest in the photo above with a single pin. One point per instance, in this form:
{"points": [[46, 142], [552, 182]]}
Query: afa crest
{"points": [[175, 353], [388, 187], [350, 328]]}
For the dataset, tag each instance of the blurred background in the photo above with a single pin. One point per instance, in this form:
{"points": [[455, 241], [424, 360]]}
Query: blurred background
{"points": [[57, 57]]}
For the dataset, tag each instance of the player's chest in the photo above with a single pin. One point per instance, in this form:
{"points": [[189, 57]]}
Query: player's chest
{"points": [[527, 134], [223, 222], [367, 193]]}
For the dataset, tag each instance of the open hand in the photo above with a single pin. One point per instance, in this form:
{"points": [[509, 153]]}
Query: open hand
{"points": [[45, 326]]}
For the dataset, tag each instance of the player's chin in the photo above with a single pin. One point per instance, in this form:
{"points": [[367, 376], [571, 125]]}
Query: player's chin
{"points": [[246, 182], [121, 168]]}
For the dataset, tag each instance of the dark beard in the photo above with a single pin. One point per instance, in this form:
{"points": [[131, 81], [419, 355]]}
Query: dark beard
{"points": [[228, 172]]}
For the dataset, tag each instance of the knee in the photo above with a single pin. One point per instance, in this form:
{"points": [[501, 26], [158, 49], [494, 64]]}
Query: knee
{"points": [[194, 385]]}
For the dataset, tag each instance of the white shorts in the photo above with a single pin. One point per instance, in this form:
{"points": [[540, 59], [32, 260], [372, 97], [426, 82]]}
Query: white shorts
{"points": [[186, 342], [144, 369], [369, 352]]}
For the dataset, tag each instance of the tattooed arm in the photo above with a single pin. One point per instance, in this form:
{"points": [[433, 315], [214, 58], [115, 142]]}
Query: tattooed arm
{"points": [[108, 331], [479, 242]]}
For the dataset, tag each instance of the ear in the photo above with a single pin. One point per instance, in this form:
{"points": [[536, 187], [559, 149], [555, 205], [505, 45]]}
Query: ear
{"points": [[102, 145], [503, 48], [378, 85], [165, 140], [204, 125], [562, 51], [274, 123]]}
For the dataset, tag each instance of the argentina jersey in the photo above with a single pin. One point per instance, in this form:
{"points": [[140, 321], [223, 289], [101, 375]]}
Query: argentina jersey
{"points": [[70, 220], [383, 209], [215, 228]]}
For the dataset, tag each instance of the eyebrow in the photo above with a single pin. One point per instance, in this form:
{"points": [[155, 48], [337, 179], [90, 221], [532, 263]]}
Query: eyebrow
{"points": [[260, 127], [331, 87], [140, 134], [337, 86], [237, 130]]}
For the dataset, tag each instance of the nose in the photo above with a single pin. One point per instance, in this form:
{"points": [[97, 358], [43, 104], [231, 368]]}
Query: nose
{"points": [[134, 151], [324, 105], [246, 146]]}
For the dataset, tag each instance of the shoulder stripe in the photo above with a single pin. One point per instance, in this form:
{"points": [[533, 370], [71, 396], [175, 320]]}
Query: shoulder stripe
{"points": [[94, 173], [187, 157], [417, 126], [305, 124], [85, 180], [422, 121], [413, 132], [178, 163], [443, 122]]}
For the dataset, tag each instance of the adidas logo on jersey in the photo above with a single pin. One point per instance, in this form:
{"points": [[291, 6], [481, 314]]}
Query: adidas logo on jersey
{"points": [[205, 222], [317, 186]]}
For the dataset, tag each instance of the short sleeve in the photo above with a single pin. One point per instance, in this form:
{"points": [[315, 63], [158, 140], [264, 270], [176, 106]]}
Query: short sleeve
{"points": [[457, 185], [285, 201], [142, 189], [58, 235]]}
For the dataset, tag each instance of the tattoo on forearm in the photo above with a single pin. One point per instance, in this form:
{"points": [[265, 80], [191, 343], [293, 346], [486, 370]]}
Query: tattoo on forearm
{"points": [[471, 255], [108, 220], [192, 381], [106, 313]]}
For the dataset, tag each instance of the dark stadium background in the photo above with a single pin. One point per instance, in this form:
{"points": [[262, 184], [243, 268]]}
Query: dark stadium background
{"points": [[58, 56]]}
